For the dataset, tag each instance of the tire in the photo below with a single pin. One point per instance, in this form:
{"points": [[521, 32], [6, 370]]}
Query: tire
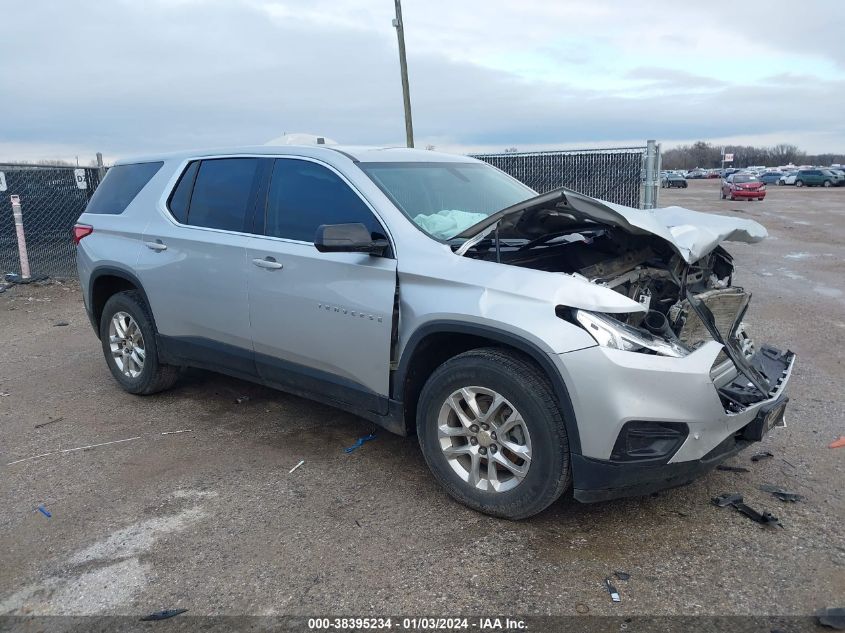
{"points": [[799, 183], [723, 195], [541, 429], [827, 183], [144, 378]]}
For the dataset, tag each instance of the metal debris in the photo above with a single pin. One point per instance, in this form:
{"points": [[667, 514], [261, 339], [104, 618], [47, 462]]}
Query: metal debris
{"points": [[760, 456], [162, 615], [175, 432], [614, 594], [60, 324], [297, 466], [360, 442], [733, 469], [734, 500], [781, 494]]}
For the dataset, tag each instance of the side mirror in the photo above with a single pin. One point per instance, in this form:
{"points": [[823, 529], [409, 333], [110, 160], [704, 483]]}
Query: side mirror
{"points": [[347, 238]]}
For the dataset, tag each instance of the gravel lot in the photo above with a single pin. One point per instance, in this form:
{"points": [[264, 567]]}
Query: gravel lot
{"points": [[211, 519]]}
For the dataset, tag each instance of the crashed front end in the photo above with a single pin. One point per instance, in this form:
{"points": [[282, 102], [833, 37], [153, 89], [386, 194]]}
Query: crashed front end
{"points": [[675, 383], [696, 390]]}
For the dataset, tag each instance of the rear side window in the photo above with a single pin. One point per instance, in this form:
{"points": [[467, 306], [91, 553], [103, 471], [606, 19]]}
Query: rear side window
{"points": [[120, 186], [181, 196], [303, 195], [223, 194]]}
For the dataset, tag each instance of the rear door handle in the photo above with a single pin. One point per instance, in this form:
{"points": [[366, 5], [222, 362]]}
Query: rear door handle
{"points": [[156, 246], [269, 263]]}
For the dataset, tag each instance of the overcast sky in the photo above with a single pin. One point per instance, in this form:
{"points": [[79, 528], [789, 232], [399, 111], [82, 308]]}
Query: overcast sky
{"points": [[129, 77]]}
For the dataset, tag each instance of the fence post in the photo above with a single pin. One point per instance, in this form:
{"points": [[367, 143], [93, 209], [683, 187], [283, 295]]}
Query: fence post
{"points": [[650, 185], [16, 213], [101, 170]]}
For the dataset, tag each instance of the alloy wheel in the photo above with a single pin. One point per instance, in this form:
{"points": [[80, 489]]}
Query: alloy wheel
{"points": [[126, 343], [484, 439]]}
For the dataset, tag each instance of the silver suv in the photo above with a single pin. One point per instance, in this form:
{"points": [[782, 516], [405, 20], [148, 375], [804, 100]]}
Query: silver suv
{"points": [[533, 342]]}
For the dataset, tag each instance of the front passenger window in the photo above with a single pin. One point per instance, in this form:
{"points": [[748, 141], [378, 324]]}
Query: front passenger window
{"points": [[303, 195]]}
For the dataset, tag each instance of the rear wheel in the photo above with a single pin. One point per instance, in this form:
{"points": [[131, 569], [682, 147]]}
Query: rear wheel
{"points": [[493, 435], [129, 344]]}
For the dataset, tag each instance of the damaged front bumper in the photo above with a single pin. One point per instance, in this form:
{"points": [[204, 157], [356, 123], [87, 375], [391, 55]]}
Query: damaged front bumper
{"points": [[649, 422]]}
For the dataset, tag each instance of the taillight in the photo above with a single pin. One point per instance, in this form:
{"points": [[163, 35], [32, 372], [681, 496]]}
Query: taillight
{"points": [[80, 231]]}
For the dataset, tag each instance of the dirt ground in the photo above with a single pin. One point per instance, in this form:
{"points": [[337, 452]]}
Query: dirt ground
{"points": [[211, 519]]}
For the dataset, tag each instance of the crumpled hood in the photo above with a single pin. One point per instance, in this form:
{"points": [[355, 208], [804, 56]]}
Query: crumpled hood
{"points": [[691, 233]]}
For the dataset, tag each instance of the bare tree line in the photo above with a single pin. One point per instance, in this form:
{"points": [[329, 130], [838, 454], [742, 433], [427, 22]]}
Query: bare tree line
{"points": [[705, 155]]}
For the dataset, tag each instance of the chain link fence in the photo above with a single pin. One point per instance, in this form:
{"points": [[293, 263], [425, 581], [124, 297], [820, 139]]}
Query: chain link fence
{"points": [[615, 175], [51, 200]]}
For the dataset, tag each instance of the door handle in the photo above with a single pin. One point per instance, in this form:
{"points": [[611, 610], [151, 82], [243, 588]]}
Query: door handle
{"points": [[269, 263], [156, 246]]}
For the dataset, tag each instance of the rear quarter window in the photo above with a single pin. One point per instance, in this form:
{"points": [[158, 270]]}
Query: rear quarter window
{"points": [[120, 186]]}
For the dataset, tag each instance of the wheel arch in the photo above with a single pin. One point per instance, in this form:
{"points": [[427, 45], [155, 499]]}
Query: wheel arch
{"points": [[436, 342], [104, 282]]}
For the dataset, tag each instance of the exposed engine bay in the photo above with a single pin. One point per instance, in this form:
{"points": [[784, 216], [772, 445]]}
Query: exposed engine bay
{"points": [[684, 303]]}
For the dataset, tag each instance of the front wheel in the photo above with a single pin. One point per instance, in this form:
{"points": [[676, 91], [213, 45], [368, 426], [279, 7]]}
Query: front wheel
{"points": [[827, 183], [799, 183], [127, 334], [493, 435]]}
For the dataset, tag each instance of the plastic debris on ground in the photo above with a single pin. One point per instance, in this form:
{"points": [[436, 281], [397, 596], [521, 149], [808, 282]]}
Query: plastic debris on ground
{"points": [[175, 432], [60, 324], [833, 618], [732, 469], [622, 575], [241, 399], [162, 615], [838, 442], [614, 594], [781, 494], [360, 442], [759, 456], [734, 500], [44, 511], [297, 466], [43, 424]]}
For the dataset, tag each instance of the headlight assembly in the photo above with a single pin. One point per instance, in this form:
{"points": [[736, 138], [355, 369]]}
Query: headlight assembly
{"points": [[610, 332]]}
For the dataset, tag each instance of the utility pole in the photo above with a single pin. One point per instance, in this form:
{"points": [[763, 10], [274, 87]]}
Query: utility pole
{"points": [[403, 67]]}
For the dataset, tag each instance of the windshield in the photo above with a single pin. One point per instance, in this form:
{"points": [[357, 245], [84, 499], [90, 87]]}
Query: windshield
{"points": [[744, 178], [444, 199]]}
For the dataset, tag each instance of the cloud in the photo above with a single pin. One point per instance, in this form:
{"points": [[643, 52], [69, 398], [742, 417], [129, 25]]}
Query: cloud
{"points": [[168, 74]]}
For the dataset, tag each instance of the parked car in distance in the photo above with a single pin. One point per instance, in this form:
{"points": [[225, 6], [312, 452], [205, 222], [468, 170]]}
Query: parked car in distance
{"points": [[673, 180], [770, 177], [788, 178], [533, 343], [817, 178], [743, 186], [695, 174]]}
